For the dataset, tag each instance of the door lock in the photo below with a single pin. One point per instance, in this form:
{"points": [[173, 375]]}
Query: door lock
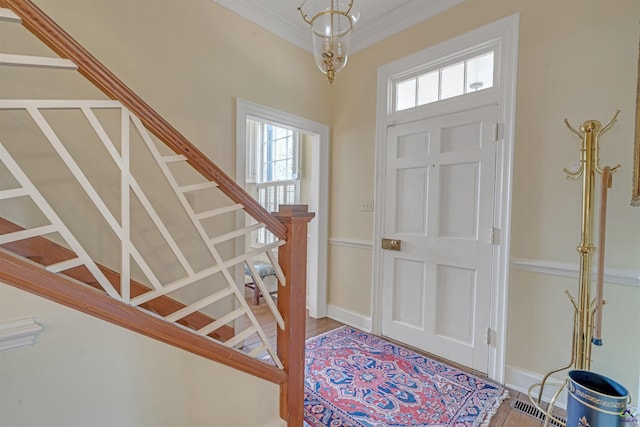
{"points": [[391, 244]]}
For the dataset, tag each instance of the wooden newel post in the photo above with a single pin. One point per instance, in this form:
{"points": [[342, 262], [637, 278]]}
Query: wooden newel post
{"points": [[292, 298]]}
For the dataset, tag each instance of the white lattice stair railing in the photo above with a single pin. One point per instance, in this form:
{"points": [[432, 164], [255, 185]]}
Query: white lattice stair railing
{"points": [[210, 288]]}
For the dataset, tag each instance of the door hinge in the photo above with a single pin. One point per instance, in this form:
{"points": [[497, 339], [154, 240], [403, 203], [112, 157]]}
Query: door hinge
{"points": [[498, 131], [488, 336], [494, 236]]}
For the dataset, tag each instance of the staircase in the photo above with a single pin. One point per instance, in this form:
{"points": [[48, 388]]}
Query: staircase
{"points": [[108, 209]]}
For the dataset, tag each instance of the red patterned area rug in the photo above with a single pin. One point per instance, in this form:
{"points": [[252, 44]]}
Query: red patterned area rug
{"points": [[355, 379]]}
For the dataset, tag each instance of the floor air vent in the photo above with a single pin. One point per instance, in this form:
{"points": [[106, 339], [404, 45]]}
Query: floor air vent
{"points": [[532, 411]]}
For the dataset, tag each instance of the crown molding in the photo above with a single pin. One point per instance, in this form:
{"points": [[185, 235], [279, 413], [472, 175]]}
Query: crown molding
{"points": [[399, 19], [287, 23], [271, 20]]}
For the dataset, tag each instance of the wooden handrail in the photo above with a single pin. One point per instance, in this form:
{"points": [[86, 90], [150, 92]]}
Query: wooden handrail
{"points": [[38, 23], [33, 278]]}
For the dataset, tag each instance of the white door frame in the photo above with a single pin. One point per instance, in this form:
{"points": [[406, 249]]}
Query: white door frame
{"points": [[318, 197], [503, 33]]}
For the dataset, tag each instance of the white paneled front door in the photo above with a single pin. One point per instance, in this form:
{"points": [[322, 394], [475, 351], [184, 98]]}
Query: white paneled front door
{"points": [[436, 290]]}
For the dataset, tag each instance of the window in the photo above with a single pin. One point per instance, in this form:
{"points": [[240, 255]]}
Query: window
{"points": [[459, 78], [272, 168]]}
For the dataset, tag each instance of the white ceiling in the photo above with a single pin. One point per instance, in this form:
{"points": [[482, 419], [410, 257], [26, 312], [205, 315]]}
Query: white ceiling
{"points": [[379, 19]]}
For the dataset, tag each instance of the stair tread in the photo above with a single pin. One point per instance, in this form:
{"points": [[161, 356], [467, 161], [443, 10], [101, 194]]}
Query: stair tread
{"points": [[7, 15], [36, 61]]}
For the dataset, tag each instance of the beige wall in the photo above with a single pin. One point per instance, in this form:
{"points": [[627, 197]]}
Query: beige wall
{"points": [[83, 371], [190, 60], [577, 59]]}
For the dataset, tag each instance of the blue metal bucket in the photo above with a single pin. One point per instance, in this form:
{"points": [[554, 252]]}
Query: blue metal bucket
{"points": [[595, 400]]}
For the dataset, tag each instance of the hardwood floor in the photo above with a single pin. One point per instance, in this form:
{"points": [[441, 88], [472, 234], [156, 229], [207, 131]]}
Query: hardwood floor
{"points": [[505, 417]]}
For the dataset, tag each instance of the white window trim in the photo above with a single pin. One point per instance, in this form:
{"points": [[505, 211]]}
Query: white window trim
{"points": [[318, 227], [505, 32]]}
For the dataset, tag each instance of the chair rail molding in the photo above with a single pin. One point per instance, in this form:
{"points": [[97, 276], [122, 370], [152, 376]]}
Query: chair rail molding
{"points": [[19, 333], [351, 243], [616, 276]]}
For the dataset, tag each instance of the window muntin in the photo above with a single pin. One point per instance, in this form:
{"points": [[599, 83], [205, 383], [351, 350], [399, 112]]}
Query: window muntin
{"points": [[452, 81], [480, 72], [272, 167], [406, 94], [459, 78], [428, 85], [279, 148]]}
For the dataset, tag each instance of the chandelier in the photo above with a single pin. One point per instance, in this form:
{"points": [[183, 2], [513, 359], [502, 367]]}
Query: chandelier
{"points": [[331, 23]]}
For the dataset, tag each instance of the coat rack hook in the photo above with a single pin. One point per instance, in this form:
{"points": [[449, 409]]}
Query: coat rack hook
{"points": [[573, 130], [611, 122]]}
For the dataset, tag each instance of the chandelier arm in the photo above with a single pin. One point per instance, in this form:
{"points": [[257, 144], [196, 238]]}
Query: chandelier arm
{"points": [[346, 13], [304, 15]]}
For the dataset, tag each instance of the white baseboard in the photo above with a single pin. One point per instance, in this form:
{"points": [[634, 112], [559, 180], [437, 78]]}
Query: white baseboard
{"points": [[521, 379], [349, 318]]}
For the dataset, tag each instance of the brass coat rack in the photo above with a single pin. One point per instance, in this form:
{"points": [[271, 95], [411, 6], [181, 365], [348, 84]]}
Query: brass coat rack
{"points": [[587, 319]]}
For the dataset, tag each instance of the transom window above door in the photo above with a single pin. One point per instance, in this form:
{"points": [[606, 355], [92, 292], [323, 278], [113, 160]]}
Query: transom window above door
{"points": [[437, 83]]}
